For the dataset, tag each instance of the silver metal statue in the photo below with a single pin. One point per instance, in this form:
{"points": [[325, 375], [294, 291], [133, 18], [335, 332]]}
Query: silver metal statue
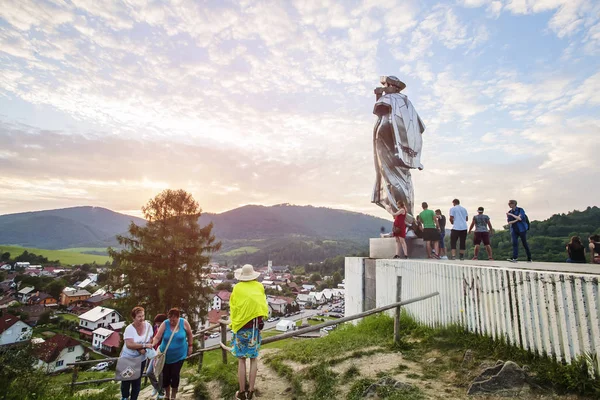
{"points": [[397, 146]]}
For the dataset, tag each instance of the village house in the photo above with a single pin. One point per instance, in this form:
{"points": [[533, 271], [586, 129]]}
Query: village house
{"points": [[97, 317], [112, 344], [70, 296], [41, 298], [24, 294], [221, 300], [96, 301], [214, 316], [13, 330], [58, 351], [99, 336], [306, 298]]}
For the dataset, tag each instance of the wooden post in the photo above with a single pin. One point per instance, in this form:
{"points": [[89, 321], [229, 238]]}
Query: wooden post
{"points": [[74, 379], [397, 316], [201, 356], [224, 339]]}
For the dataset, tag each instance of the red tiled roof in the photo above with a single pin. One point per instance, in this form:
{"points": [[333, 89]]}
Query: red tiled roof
{"points": [[224, 295], [215, 315], [51, 348], [114, 340], [6, 321]]}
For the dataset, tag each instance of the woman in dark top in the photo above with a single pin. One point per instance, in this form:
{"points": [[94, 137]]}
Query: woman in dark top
{"points": [[575, 250], [594, 249]]}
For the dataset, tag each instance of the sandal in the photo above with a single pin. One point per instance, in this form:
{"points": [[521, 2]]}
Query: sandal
{"points": [[240, 395], [250, 394]]}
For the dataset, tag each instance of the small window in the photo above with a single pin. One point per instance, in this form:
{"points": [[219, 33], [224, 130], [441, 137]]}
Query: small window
{"points": [[60, 363], [24, 330], [71, 349]]}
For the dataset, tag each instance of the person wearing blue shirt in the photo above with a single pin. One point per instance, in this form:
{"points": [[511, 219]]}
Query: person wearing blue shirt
{"points": [[518, 229]]}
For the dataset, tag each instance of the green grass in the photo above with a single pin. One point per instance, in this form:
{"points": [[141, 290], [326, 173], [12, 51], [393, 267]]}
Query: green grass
{"points": [[241, 250], [65, 257], [92, 250]]}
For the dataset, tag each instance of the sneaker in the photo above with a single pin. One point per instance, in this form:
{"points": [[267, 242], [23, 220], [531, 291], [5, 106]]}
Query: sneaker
{"points": [[443, 257], [462, 258], [160, 396], [154, 392], [396, 256], [529, 260], [406, 257], [512, 260], [475, 258]]}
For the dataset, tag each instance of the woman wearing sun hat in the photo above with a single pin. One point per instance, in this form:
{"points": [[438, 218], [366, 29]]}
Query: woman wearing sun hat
{"points": [[248, 307]]}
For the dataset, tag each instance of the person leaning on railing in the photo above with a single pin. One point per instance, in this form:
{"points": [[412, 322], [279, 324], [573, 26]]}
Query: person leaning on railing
{"points": [[179, 349], [248, 306]]}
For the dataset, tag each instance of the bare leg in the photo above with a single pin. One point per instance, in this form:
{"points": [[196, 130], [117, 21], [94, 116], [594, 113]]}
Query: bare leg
{"points": [[242, 374], [398, 245], [173, 393], [428, 247], [436, 246], [253, 372], [488, 248], [168, 392], [476, 250], [403, 244]]}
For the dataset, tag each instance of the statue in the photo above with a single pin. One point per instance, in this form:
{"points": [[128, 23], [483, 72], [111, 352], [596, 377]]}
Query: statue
{"points": [[397, 146]]}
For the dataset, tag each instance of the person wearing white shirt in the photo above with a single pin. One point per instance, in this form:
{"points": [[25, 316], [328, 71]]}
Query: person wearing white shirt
{"points": [[458, 219]]}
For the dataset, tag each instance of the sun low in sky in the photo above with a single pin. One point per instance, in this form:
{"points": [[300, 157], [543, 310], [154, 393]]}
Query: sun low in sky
{"points": [[106, 103]]}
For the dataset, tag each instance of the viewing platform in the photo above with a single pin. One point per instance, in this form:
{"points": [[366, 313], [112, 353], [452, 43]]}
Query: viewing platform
{"points": [[551, 309]]}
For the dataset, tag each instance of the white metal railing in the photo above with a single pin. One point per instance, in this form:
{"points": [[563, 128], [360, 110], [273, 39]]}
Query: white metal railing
{"points": [[551, 313]]}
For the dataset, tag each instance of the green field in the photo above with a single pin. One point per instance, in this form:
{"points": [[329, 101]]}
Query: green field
{"points": [[240, 251], [86, 249], [65, 257]]}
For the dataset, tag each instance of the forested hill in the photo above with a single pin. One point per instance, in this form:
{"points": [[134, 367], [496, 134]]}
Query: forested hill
{"points": [[96, 227], [547, 239]]}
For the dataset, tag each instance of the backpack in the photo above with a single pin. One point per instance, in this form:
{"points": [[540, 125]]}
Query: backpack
{"points": [[526, 218]]}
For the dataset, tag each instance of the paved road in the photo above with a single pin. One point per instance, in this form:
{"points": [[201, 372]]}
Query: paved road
{"points": [[268, 325]]}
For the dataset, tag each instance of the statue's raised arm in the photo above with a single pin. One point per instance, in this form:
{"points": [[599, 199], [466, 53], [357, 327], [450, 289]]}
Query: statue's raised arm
{"points": [[397, 146]]}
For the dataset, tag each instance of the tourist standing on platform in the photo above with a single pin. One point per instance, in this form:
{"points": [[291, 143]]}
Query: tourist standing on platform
{"points": [[179, 348], [594, 249], [458, 219], [431, 230], [576, 250], [483, 228], [442, 223], [517, 219], [248, 306], [399, 230]]}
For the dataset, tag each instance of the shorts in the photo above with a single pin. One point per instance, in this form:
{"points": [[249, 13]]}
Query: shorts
{"points": [[482, 237], [246, 343], [431, 235], [455, 235], [442, 236]]}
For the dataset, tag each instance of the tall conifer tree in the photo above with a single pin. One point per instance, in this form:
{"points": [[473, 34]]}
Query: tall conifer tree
{"points": [[164, 263]]}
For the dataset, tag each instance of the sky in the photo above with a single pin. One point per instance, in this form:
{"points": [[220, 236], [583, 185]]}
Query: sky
{"points": [[106, 103]]}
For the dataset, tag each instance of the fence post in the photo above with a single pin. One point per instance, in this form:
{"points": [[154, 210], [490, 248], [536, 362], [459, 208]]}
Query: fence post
{"points": [[397, 316], [74, 379], [201, 356], [224, 340]]}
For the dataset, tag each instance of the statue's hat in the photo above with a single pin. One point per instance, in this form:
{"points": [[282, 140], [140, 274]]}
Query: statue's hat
{"points": [[394, 81]]}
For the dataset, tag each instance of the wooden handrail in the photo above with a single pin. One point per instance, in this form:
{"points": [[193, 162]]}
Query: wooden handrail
{"points": [[223, 324]]}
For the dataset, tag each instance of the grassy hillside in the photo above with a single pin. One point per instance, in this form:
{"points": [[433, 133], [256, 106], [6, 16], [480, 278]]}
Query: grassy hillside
{"points": [[65, 257]]}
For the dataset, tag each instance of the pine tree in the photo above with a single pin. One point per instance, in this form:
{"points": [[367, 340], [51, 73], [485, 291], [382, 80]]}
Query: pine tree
{"points": [[164, 263]]}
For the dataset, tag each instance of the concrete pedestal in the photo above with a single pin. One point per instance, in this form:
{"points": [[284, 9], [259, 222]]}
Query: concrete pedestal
{"points": [[386, 248]]}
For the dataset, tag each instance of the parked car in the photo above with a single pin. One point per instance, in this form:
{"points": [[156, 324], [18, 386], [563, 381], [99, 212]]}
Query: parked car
{"points": [[100, 367], [215, 335]]}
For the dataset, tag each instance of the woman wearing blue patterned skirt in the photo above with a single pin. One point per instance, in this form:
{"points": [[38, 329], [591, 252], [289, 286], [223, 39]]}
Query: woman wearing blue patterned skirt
{"points": [[248, 306]]}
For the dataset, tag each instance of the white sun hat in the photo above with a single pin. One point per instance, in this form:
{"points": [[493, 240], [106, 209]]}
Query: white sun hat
{"points": [[246, 273]]}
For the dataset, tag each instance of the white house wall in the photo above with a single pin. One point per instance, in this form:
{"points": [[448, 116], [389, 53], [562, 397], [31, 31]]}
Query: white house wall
{"points": [[19, 332], [547, 312]]}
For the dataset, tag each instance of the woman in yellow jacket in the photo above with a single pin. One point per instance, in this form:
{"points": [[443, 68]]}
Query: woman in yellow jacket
{"points": [[248, 306]]}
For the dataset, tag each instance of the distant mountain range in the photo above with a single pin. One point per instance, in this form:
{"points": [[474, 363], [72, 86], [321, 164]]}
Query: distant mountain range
{"points": [[249, 234]]}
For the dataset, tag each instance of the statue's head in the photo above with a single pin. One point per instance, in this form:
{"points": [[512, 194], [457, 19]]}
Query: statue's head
{"points": [[392, 82]]}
